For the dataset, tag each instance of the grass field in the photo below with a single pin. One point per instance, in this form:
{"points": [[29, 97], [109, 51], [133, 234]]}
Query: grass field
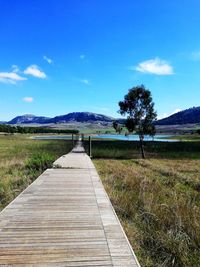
{"points": [[156, 199], [22, 160], [186, 137], [130, 149]]}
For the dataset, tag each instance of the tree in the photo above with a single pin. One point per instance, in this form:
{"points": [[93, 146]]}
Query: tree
{"points": [[139, 107], [117, 127]]}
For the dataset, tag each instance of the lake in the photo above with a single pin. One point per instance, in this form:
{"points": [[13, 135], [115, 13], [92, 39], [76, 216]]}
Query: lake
{"points": [[134, 137], [131, 137]]}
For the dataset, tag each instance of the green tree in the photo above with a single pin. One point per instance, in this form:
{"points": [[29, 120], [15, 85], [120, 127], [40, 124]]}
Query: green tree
{"points": [[118, 128], [139, 108]]}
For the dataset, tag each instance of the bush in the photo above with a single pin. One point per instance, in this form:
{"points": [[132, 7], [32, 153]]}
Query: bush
{"points": [[39, 162]]}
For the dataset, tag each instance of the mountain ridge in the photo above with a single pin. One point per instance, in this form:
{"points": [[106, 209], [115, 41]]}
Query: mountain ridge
{"points": [[187, 116], [70, 117]]}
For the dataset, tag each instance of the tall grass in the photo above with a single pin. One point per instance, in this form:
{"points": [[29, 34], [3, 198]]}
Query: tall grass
{"points": [[37, 163], [157, 199], [131, 149], [22, 160]]}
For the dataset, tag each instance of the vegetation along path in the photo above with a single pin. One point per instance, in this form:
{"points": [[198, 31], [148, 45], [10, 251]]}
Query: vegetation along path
{"points": [[64, 218]]}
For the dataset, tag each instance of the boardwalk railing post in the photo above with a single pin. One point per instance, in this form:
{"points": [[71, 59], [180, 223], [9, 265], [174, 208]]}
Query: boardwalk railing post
{"points": [[73, 140], [90, 146]]}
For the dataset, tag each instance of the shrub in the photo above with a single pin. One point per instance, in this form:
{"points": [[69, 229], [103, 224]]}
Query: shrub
{"points": [[39, 162]]}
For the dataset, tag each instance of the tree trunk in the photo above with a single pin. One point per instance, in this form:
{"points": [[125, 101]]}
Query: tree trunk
{"points": [[142, 147]]}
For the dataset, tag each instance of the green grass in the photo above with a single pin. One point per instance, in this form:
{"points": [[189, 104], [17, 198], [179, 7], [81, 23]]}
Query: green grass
{"points": [[156, 199], [131, 149], [22, 160], [186, 137]]}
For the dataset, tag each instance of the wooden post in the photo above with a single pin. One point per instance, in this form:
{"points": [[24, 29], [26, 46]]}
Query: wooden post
{"points": [[73, 140], [90, 146], [142, 148]]}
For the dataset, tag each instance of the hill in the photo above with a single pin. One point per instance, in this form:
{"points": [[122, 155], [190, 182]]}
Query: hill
{"points": [[187, 116], [28, 118], [81, 117], [70, 117]]}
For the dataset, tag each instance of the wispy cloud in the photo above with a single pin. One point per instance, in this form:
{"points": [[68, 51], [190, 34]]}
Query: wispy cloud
{"points": [[11, 77], [85, 81], [28, 99], [35, 71], [15, 68], [48, 60], [162, 116], [165, 115], [82, 56], [155, 66], [176, 111]]}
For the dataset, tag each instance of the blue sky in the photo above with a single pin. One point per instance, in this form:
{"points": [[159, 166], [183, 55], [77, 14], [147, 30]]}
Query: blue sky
{"points": [[60, 56]]}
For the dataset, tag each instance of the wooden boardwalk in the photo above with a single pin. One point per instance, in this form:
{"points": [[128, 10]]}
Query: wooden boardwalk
{"points": [[64, 218]]}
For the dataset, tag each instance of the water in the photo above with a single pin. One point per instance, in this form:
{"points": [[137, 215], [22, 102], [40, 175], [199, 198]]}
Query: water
{"points": [[132, 137]]}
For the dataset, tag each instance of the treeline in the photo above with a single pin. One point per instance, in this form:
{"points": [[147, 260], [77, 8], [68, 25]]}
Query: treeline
{"points": [[24, 130]]}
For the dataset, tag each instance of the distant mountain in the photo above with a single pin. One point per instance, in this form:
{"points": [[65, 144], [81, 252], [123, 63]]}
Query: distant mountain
{"points": [[71, 117], [187, 116], [81, 117], [191, 115], [28, 118]]}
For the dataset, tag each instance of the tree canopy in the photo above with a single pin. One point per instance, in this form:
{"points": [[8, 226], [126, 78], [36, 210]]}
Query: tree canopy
{"points": [[118, 127], [138, 105]]}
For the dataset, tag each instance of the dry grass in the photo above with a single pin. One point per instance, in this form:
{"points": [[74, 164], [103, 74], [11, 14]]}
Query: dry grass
{"points": [[158, 203], [16, 155]]}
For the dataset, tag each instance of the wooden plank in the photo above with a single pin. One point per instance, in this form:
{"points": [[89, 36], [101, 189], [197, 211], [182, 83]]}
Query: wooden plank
{"points": [[64, 218]]}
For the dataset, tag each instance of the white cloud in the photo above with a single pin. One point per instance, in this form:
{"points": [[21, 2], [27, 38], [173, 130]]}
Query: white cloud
{"points": [[176, 111], [35, 71], [28, 99], [85, 81], [15, 68], [82, 56], [165, 115], [47, 59], [154, 66], [11, 77]]}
